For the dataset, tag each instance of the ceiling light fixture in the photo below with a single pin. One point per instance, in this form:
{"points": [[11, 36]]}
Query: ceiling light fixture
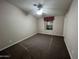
{"points": [[39, 8]]}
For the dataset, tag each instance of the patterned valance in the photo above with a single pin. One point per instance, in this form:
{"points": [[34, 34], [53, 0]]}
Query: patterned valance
{"points": [[50, 18]]}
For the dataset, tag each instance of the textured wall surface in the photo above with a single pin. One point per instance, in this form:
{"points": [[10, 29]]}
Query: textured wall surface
{"points": [[14, 25], [57, 26], [71, 30]]}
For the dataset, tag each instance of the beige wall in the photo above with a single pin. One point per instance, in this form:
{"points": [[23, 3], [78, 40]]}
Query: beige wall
{"points": [[57, 26], [14, 25], [71, 30]]}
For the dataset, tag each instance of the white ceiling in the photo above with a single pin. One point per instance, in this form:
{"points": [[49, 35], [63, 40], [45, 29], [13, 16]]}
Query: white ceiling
{"points": [[50, 7]]}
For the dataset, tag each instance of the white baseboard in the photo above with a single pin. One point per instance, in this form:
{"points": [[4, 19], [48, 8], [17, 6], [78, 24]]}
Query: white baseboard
{"points": [[16, 42], [68, 49], [52, 34]]}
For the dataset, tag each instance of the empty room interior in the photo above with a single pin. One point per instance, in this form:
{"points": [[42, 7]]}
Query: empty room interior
{"points": [[38, 29]]}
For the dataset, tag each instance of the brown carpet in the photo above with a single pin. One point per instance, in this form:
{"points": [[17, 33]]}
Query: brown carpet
{"points": [[39, 46]]}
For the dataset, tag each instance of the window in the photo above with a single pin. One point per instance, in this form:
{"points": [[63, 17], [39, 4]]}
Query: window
{"points": [[48, 22], [49, 25]]}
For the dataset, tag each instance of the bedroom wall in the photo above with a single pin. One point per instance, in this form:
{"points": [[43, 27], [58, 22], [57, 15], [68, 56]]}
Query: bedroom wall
{"points": [[57, 26], [71, 30], [15, 26]]}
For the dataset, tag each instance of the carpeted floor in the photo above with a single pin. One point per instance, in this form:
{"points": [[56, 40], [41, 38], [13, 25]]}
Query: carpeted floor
{"points": [[39, 46]]}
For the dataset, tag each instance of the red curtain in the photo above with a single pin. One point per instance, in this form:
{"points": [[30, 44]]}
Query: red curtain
{"points": [[50, 18]]}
